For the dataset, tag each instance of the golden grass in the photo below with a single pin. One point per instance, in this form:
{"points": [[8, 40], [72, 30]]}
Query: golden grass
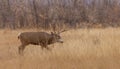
{"points": [[82, 49]]}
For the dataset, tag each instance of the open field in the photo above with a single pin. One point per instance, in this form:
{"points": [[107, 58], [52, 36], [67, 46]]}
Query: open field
{"points": [[82, 49]]}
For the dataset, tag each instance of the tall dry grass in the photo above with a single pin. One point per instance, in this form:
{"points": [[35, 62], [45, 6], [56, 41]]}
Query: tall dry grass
{"points": [[82, 49]]}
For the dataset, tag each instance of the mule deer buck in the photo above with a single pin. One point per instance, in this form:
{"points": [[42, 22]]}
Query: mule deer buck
{"points": [[38, 38]]}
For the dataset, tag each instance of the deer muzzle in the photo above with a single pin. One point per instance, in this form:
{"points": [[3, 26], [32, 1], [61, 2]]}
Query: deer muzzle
{"points": [[60, 41]]}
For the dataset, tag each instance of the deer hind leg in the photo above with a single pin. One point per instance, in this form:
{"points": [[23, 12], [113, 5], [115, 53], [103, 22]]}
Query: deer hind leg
{"points": [[21, 49]]}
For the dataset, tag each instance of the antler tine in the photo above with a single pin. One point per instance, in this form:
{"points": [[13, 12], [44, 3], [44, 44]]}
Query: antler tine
{"points": [[63, 31], [54, 28]]}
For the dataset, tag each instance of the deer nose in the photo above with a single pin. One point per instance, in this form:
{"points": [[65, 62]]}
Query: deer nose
{"points": [[60, 40]]}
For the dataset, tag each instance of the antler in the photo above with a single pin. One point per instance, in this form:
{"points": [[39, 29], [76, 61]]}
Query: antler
{"points": [[62, 31]]}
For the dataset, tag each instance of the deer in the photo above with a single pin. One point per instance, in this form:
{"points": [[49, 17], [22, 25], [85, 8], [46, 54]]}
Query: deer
{"points": [[42, 39]]}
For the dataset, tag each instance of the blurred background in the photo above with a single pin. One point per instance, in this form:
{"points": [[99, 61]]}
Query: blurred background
{"points": [[44, 14]]}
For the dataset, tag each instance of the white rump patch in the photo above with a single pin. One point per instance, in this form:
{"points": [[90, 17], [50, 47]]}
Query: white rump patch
{"points": [[19, 34]]}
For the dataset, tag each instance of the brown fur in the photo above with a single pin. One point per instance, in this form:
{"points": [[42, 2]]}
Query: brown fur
{"points": [[37, 38]]}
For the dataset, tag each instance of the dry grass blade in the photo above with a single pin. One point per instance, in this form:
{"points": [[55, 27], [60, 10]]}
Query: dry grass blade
{"points": [[96, 49]]}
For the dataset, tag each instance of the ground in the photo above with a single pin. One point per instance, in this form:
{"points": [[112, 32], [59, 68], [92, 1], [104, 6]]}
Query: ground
{"points": [[82, 49]]}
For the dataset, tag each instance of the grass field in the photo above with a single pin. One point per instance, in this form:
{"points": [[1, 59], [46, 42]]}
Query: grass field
{"points": [[82, 49]]}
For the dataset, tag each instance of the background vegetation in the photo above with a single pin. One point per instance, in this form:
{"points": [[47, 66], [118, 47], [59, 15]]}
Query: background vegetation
{"points": [[46, 13], [94, 47]]}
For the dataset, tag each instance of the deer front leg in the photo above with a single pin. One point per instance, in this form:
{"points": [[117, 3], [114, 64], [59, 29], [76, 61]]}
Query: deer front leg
{"points": [[45, 46]]}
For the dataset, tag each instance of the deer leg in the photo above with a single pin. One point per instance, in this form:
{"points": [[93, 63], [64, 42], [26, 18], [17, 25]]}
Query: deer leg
{"points": [[21, 49], [47, 47], [42, 47]]}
